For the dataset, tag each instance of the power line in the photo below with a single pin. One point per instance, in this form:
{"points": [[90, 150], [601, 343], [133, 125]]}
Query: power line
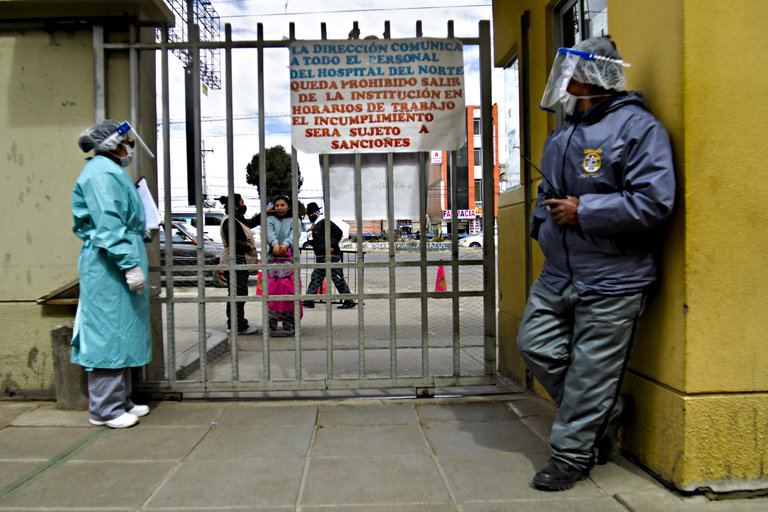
{"points": [[240, 117], [346, 11]]}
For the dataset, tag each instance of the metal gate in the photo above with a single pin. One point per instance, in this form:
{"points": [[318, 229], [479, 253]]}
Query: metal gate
{"points": [[407, 331]]}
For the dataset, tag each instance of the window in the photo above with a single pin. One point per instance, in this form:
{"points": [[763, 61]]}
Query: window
{"points": [[580, 19], [510, 176], [478, 156], [476, 128], [478, 192]]}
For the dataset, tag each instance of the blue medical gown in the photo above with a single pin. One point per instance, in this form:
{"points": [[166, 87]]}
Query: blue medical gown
{"points": [[112, 323]]}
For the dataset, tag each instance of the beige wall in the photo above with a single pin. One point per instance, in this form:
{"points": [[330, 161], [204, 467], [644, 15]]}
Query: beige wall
{"points": [[698, 373], [47, 96]]}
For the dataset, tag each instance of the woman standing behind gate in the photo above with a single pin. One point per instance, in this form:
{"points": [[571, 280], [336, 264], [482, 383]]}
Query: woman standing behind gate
{"points": [[281, 281], [111, 334]]}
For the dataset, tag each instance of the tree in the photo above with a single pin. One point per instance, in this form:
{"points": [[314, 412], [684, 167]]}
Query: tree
{"points": [[278, 167]]}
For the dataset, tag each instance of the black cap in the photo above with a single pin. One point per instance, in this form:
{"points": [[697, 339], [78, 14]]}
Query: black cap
{"points": [[312, 208], [225, 203]]}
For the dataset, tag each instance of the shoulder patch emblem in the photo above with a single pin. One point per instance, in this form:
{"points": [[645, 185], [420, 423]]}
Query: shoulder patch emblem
{"points": [[592, 162]]}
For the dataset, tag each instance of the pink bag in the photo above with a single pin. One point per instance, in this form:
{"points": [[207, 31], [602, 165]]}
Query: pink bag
{"points": [[280, 282]]}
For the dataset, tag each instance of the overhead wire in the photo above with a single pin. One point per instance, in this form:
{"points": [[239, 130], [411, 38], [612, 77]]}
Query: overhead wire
{"points": [[347, 11]]}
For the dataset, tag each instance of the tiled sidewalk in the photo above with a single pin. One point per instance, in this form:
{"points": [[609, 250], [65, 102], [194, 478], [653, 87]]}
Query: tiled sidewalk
{"points": [[431, 455]]}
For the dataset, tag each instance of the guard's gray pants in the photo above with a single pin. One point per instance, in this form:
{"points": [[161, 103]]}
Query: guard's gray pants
{"points": [[109, 393], [578, 348]]}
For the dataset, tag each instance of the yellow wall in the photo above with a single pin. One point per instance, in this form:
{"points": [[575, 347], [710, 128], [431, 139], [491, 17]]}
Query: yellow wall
{"points": [[698, 373], [726, 107], [511, 278], [47, 97]]}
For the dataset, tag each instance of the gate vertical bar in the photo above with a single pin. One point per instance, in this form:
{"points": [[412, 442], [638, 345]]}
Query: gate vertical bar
{"points": [[133, 73], [263, 196], [423, 189], [359, 268], [296, 254], [194, 39], [170, 305], [326, 178], [456, 325], [489, 206], [296, 258], [235, 367], [99, 109], [230, 209], [391, 266], [328, 315]]}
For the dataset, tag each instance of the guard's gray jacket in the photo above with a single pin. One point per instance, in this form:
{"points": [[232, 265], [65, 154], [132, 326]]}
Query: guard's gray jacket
{"points": [[617, 160]]}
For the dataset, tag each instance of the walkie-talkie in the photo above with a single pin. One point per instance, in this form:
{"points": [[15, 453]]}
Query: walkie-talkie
{"points": [[553, 192]]}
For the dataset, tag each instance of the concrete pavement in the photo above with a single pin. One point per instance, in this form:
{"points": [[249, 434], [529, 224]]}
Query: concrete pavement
{"points": [[467, 454]]}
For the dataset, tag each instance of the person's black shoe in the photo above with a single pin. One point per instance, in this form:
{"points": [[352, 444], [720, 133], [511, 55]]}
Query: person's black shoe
{"points": [[347, 304], [557, 476], [308, 303]]}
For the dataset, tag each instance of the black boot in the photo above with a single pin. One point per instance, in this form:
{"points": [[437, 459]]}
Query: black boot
{"points": [[347, 304], [557, 475]]}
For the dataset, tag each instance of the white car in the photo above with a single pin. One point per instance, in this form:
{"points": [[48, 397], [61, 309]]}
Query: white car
{"points": [[211, 219], [474, 241]]}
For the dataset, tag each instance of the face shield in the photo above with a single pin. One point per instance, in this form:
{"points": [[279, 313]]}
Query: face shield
{"points": [[123, 133], [586, 67]]}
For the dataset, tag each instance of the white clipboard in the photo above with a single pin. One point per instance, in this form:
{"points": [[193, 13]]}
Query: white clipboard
{"points": [[151, 213]]}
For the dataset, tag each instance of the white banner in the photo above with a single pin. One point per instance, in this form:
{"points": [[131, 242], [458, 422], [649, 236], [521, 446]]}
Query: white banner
{"points": [[364, 96], [405, 171]]}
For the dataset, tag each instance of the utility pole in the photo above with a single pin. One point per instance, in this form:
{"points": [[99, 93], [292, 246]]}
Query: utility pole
{"points": [[198, 20], [189, 109]]}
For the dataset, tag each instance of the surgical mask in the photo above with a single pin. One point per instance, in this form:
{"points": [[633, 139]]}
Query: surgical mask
{"points": [[568, 101], [126, 160]]}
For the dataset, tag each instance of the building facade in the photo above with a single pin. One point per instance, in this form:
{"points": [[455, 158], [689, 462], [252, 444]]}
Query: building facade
{"points": [[469, 180], [53, 87], [698, 373]]}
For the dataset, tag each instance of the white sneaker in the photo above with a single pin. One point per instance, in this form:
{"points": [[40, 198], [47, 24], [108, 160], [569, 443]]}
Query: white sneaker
{"points": [[123, 421], [139, 410]]}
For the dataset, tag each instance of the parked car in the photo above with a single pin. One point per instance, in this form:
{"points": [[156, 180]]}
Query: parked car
{"points": [[474, 241], [212, 220], [184, 247]]}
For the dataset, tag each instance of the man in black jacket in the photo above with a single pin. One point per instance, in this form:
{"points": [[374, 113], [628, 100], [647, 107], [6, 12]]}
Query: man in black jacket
{"points": [[609, 187], [318, 245]]}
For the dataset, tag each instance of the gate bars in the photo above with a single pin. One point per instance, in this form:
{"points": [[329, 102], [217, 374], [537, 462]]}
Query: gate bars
{"points": [[162, 375]]}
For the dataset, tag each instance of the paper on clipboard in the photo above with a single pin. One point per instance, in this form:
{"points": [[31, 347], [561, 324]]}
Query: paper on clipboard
{"points": [[151, 213]]}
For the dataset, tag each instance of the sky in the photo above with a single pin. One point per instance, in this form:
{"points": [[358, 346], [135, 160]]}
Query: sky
{"points": [[307, 15]]}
